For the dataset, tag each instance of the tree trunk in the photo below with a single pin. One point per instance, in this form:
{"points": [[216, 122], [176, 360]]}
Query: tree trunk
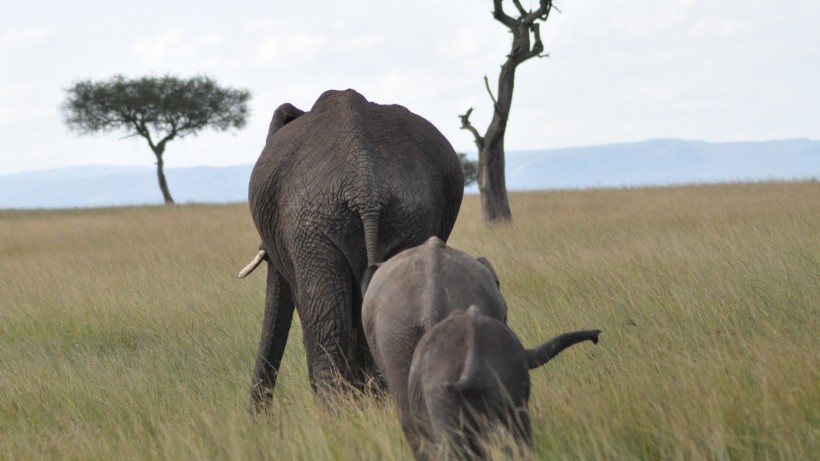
{"points": [[526, 44], [492, 184], [163, 185]]}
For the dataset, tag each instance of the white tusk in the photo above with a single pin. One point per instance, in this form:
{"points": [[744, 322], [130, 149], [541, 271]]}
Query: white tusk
{"points": [[257, 260]]}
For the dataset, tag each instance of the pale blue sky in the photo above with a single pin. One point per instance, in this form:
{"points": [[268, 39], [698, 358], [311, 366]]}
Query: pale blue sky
{"points": [[714, 70]]}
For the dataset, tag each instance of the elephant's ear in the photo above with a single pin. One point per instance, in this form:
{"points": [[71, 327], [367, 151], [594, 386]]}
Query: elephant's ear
{"points": [[368, 274], [283, 115], [543, 353], [486, 263]]}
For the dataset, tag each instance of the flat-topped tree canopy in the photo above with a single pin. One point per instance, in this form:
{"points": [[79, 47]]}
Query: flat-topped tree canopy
{"points": [[157, 108]]}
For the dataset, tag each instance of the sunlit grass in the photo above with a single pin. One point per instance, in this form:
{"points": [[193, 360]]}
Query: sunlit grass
{"points": [[125, 334]]}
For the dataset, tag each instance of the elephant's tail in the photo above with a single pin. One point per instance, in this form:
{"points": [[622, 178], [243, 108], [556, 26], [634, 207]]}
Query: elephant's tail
{"points": [[370, 222]]}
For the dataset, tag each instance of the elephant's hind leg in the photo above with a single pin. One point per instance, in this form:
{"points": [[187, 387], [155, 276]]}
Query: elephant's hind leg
{"points": [[275, 329], [326, 308], [366, 376]]}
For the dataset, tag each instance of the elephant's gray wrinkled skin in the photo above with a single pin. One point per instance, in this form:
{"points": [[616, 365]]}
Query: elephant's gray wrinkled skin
{"points": [[470, 372], [414, 312], [336, 189], [412, 292]]}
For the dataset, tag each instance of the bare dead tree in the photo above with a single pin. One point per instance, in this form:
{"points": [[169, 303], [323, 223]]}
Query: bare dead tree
{"points": [[526, 44]]}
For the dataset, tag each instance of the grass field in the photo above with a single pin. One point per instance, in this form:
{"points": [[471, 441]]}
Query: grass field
{"points": [[125, 334]]}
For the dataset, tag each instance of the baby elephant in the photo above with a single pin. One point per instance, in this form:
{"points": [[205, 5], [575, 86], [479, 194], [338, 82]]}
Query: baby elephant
{"points": [[448, 367], [469, 372]]}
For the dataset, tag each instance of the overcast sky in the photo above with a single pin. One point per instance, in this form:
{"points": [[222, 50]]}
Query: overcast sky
{"points": [[630, 70]]}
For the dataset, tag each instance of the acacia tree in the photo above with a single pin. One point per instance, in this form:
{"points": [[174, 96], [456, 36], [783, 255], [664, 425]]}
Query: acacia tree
{"points": [[159, 109], [526, 44]]}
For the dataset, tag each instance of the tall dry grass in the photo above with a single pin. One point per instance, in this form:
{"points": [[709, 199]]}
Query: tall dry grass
{"points": [[124, 333]]}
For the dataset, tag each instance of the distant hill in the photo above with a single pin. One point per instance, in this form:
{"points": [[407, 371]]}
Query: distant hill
{"points": [[648, 163], [99, 186], [663, 162]]}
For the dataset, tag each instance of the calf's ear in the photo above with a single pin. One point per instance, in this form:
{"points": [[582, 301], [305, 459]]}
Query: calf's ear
{"points": [[542, 354], [486, 263], [368, 274]]}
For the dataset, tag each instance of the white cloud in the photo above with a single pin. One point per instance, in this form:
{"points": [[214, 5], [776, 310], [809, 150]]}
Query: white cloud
{"points": [[175, 45], [645, 22], [357, 43], [21, 102], [713, 26], [15, 90], [290, 49], [468, 41], [22, 113], [12, 39], [400, 84], [656, 93], [18, 45], [158, 46]]}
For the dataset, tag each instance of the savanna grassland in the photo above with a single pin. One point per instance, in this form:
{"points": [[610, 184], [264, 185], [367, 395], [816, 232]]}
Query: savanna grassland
{"points": [[125, 333]]}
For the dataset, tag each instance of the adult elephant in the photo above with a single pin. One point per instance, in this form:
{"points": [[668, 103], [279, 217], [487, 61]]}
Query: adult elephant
{"points": [[336, 189]]}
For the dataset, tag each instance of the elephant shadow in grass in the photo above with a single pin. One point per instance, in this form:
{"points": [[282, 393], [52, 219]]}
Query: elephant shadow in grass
{"points": [[435, 321], [336, 189]]}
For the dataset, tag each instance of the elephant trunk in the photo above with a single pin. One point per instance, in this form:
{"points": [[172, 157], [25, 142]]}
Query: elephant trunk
{"points": [[543, 353]]}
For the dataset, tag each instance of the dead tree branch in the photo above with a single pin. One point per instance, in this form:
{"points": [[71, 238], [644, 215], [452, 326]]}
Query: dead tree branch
{"points": [[466, 125]]}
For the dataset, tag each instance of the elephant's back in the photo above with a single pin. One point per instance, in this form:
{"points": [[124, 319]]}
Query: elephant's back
{"points": [[345, 134], [416, 175], [420, 286], [348, 157]]}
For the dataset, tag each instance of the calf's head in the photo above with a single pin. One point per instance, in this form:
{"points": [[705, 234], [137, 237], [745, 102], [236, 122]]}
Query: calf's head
{"points": [[470, 373]]}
